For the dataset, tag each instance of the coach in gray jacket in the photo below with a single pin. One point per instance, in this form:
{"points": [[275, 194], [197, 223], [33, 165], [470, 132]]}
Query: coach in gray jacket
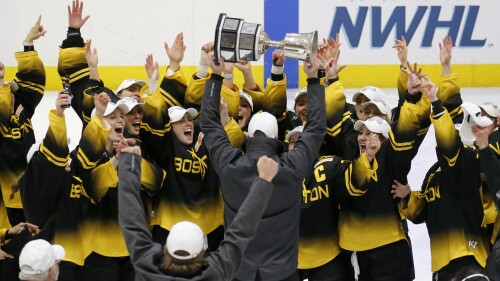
{"points": [[184, 257], [272, 254]]}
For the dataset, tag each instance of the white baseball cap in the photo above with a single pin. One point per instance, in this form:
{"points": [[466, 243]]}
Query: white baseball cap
{"points": [[264, 122], [176, 113], [247, 97], [491, 109], [380, 104], [130, 103], [38, 256], [111, 107], [472, 117], [298, 129], [186, 237], [129, 82], [375, 125], [300, 92], [370, 92]]}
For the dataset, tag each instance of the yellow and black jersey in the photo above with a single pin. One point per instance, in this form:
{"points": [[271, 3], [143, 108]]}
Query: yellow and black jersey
{"points": [[53, 199], [318, 238], [17, 135], [451, 189], [340, 138], [370, 219], [449, 95], [72, 64], [194, 93], [191, 188]]}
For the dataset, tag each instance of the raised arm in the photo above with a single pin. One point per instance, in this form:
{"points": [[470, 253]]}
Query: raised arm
{"points": [[304, 154]]}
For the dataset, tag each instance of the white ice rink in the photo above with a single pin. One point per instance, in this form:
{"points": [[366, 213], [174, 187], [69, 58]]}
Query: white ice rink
{"points": [[424, 159]]}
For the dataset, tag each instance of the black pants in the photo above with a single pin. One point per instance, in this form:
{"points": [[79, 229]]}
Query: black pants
{"points": [[101, 268], [338, 269], [392, 262], [459, 269], [69, 271], [214, 238]]}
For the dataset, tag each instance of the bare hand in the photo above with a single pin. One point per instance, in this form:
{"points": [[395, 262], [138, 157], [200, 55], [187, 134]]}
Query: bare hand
{"points": [[267, 168], [119, 146], [4, 255], [334, 45], [400, 190], [132, 149], [414, 79], [91, 55], [429, 88], [208, 47], [75, 19], [228, 67], [36, 31], [20, 226], [333, 68], [445, 51], [244, 66], [224, 114], [402, 51], [372, 146], [152, 68], [101, 102], [216, 69], [278, 57], [481, 134], [176, 52], [62, 100], [311, 67]]}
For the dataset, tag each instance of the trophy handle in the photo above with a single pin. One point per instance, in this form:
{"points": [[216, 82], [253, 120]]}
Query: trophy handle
{"points": [[218, 30]]}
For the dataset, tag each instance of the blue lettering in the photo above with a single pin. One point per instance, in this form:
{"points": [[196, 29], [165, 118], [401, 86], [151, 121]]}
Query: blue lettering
{"points": [[470, 23], [434, 22], [353, 28], [352, 31]]}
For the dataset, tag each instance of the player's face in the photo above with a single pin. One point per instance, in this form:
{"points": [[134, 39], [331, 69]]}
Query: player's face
{"points": [[184, 130], [360, 100], [244, 113], [496, 121], [116, 122], [372, 111], [133, 121], [132, 92], [301, 108], [293, 140], [363, 135]]}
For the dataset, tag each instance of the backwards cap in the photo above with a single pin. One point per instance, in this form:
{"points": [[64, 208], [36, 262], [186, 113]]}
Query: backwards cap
{"points": [[185, 241], [264, 122]]}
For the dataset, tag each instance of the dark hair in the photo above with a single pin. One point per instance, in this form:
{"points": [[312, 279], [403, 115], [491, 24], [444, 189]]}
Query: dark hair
{"points": [[183, 268]]}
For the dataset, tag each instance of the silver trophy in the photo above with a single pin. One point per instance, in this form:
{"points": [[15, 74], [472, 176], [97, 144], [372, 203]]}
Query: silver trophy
{"points": [[237, 40]]}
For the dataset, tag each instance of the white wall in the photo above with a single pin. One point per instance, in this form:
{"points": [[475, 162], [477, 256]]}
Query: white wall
{"points": [[123, 31]]}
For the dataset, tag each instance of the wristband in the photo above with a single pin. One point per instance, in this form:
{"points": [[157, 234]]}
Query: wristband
{"points": [[229, 76], [275, 69]]}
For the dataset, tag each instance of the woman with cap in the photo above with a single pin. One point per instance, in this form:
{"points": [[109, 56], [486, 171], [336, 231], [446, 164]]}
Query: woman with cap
{"points": [[320, 256], [450, 200], [184, 256], [39, 261]]}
